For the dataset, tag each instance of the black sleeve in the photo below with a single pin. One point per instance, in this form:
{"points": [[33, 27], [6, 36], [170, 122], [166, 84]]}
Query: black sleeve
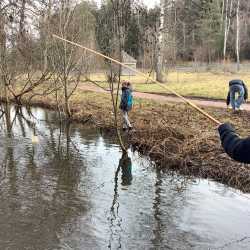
{"points": [[237, 148], [246, 91], [228, 98]]}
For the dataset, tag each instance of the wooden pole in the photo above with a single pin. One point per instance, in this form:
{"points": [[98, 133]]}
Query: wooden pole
{"points": [[145, 76]]}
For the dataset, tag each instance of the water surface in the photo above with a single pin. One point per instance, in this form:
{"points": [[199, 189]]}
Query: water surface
{"points": [[69, 192]]}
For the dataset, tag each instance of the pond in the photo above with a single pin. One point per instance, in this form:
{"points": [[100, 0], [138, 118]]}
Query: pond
{"points": [[72, 190]]}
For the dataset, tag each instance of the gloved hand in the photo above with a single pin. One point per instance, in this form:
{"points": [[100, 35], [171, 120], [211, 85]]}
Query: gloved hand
{"points": [[225, 127]]}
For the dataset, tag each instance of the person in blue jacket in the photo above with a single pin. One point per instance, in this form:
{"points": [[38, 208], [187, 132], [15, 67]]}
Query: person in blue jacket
{"points": [[126, 104], [236, 147], [126, 165], [237, 87]]}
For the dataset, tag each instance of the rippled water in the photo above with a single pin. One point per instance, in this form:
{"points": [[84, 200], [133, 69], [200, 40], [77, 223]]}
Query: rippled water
{"points": [[69, 192]]}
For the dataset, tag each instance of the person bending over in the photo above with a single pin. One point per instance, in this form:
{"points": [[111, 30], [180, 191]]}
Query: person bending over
{"points": [[237, 87]]}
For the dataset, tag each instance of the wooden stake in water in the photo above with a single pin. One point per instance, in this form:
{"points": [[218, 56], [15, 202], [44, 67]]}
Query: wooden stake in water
{"points": [[145, 76]]}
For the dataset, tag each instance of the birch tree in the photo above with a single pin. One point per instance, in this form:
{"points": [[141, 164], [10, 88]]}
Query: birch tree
{"points": [[160, 45]]}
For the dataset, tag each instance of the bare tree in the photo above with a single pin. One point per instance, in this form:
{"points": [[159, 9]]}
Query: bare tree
{"points": [[238, 35], [20, 64], [46, 32], [228, 15], [2, 50], [69, 63], [119, 8]]}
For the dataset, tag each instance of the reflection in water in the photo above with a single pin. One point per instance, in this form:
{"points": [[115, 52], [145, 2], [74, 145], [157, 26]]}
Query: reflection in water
{"points": [[114, 219], [74, 190], [157, 240], [126, 166], [37, 192]]}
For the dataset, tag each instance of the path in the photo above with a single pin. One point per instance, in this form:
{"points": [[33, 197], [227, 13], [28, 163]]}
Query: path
{"points": [[165, 99]]}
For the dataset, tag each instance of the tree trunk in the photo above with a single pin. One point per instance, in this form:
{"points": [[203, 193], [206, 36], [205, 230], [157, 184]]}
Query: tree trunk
{"points": [[222, 14], [225, 32], [227, 26], [46, 36], [66, 99], [118, 50], [160, 46], [7, 118], [3, 71], [238, 35], [22, 20], [184, 36]]}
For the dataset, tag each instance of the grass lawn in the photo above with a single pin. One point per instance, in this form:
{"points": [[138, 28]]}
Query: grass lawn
{"points": [[208, 84]]}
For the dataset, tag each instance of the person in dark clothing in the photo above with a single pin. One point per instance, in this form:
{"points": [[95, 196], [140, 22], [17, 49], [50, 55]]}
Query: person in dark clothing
{"points": [[126, 165], [237, 148], [239, 87], [126, 104]]}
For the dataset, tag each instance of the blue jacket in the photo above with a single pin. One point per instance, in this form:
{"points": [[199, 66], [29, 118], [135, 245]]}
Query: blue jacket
{"points": [[126, 99], [237, 148]]}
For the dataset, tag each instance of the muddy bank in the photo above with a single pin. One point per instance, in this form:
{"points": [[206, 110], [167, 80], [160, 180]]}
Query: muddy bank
{"points": [[173, 135]]}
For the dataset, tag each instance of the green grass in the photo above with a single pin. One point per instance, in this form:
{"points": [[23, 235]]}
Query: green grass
{"points": [[208, 84]]}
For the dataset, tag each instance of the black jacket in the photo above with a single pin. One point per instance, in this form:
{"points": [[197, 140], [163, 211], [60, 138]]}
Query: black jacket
{"points": [[237, 148], [237, 82]]}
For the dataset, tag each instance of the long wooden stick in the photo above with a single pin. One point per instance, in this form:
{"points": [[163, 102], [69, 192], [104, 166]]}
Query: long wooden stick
{"points": [[145, 76]]}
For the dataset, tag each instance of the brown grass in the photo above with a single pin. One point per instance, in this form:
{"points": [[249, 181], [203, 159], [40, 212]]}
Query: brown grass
{"points": [[173, 135], [182, 140]]}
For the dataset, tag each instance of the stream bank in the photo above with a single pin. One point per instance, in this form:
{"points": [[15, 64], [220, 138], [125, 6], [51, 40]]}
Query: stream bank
{"points": [[173, 135], [73, 190]]}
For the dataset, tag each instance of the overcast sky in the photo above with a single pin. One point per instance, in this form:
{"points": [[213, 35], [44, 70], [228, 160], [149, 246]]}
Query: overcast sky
{"points": [[149, 3]]}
